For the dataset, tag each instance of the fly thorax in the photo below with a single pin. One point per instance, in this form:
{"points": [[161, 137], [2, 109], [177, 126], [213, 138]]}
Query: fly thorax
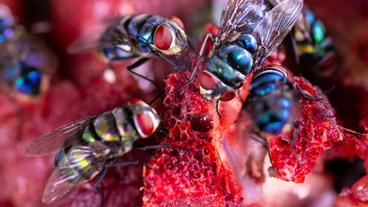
{"points": [[145, 37], [125, 128], [135, 24], [90, 138], [105, 128]]}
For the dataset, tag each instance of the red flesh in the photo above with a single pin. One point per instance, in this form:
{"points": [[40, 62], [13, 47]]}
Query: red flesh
{"points": [[74, 95]]}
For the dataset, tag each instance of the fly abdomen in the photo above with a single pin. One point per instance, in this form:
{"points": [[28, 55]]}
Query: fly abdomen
{"points": [[238, 58], [272, 116], [79, 163], [233, 62]]}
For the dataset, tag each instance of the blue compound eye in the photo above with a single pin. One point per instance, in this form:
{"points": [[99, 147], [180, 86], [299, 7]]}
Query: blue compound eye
{"points": [[29, 81], [248, 42]]}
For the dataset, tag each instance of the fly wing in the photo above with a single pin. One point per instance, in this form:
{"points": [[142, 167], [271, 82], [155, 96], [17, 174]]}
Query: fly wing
{"points": [[99, 37], [65, 178], [275, 25], [58, 186], [59, 138], [240, 16]]}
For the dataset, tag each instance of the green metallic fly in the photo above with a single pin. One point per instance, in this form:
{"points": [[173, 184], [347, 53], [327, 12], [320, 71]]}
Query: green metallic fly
{"points": [[87, 147]]}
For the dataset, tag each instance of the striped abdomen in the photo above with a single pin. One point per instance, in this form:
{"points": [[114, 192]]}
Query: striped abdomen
{"points": [[77, 164], [110, 135]]}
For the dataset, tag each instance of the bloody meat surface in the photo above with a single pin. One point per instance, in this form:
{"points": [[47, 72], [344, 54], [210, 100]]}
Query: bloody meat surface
{"points": [[212, 161]]}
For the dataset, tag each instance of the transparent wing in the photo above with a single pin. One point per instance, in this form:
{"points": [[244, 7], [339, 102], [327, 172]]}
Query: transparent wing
{"points": [[58, 138], [65, 178], [84, 44], [58, 186], [240, 16], [98, 37], [275, 25]]}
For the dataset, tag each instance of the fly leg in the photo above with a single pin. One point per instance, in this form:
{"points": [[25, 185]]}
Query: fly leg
{"points": [[217, 108], [137, 64], [172, 63], [240, 96], [258, 138], [202, 58], [98, 186], [192, 77], [160, 146], [271, 170], [160, 95], [352, 132]]}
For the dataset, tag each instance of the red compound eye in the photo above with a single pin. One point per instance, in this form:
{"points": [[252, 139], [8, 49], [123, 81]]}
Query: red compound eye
{"points": [[327, 64], [163, 37], [228, 96], [207, 81], [135, 101], [144, 124]]}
